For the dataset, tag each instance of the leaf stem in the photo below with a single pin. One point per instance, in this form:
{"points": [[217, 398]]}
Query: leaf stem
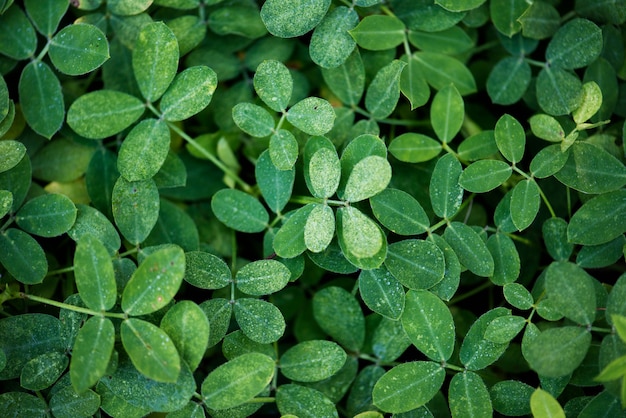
{"points": [[261, 399], [453, 367], [72, 307], [397, 122], [486, 285], [309, 199], [60, 271]]}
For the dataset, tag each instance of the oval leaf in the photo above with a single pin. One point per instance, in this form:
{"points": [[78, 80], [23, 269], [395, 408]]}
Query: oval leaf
{"points": [[274, 84], [508, 80], [484, 175], [470, 248], [22, 256], [576, 44], [283, 149], [399, 212], [190, 92], [94, 275], [144, 150], [91, 352], [446, 194], [41, 98], [361, 239], [289, 20], [312, 361], [239, 210], [525, 202], [188, 327], [48, 215], [510, 138], [275, 184], [557, 352], [253, 119], [571, 292], [382, 292], [369, 177], [331, 44], [383, 92], [417, 264], [135, 208], [312, 115], [319, 229], [289, 240], [259, 320], [447, 113], [414, 148], [379, 32], [322, 167], [469, 396], [295, 400], [338, 313], [78, 49], [262, 277]]}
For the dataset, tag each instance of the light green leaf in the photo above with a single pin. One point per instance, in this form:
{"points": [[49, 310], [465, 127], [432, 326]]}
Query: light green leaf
{"points": [[128, 8], [295, 400], [508, 80], [478, 146], [368, 177], [103, 113], [151, 350], [319, 229], [505, 15], [91, 352], [591, 169], [504, 328], [283, 149], [239, 211], [274, 84], [276, 185], [339, 315], [399, 212], [41, 98], [312, 361], [413, 84], [188, 327], [468, 396], [22, 256], [506, 259], [557, 352], [259, 320], [379, 32], [550, 160], [428, 323], [42, 371], [518, 296], [541, 20], [12, 152], [484, 175], [590, 103], [476, 351], [331, 44], [382, 292], [262, 277], [253, 119], [616, 303], [525, 202], [66, 403], [559, 92], [408, 386], [94, 275], [362, 146], [48, 215], [510, 138], [612, 371], [360, 238], [206, 271], [347, 81], [446, 194], [289, 240], [322, 169], [440, 70], [190, 92], [293, 18], [447, 113], [135, 208], [144, 150], [239, 19], [470, 248], [18, 39], [383, 92], [155, 59], [417, 264], [413, 147], [312, 115], [543, 405], [78, 49], [546, 127], [576, 44], [155, 282], [571, 291]]}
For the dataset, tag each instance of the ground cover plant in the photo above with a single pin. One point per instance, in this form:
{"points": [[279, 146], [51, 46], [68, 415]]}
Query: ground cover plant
{"points": [[408, 208]]}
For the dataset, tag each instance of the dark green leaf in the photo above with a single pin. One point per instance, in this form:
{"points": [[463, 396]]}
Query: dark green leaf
{"points": [[338, 313], [253, 119], [576, 44], [550, 160], [289, 240], [91, 352], [470, 248], [525, 201], [360, 238], [417, 264], [12, 152], [331, 44], [506, 259], [78, 49], [477, 352], [172, 173], [66, 403], [448, 286], [206, 271], [602, 255], [135, 208], [399, 212], [295, 400], [446, 194], [425, 15], [541, 20], [18, 39], [188, 327], [360, 397], [94, 275], [484, 175], [239, 210], [389, 340], [448, 41], [48, 215], [447, 113], [17, 180], [616, 303], [511, 397], [41, 98], [440, 70], [236, 344], [242, 20], [6, 201], [312, 361], [274, 84], [559, 351], [219, 312], [382, 292], [518, 296], [368, 177], [428, 323], [190, 92], [275, 185], [571, 292], [144, 150], [505, 15], [413, 147], [508, 80], [20, 404], [90, 221], [347, 81], [559, 92], [22, 256], [413, 84], [408, 386], [379, 32], [599, 220], [383, 92], [262, 277], [469, 396], [42, 371], [510, 138], [289, 20], [259, 320], [312, 115], [504, 328]]}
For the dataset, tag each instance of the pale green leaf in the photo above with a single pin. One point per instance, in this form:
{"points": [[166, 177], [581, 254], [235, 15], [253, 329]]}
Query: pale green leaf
{"points": [[557, 352], [417, 264], [144, 150], [91, 352], [294, 17], [413, 147], [322, 169], [505, 15], [525, 202], [399, 212], [546, 127], [274, 84], [379, 32], [312, 361], [128, 8], [319, 229], [331, 44], [94, 275], [510, 138], [543, 405], [312, 115], [484, 175], [283, 150], [262, 277], [259, 320], [253, 119], [383, 92], [368, 177], [135, 208], [48, 215], [360, 238], [190, 92], [468, 396], [12, 152], [239, 210]]}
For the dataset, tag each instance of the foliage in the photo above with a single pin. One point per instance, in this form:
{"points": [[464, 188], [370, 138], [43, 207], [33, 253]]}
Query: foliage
{"points": [[312, 208]]}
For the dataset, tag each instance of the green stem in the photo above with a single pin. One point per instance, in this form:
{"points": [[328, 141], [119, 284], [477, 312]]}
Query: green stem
{"points": [[546, 201], [535, 62], [129, 252], [453, 367], [44, 51], [487, 284], [72, 307], [7, 224], [262, 400], [60, 271], [397, 122], [603, 330], [304, 200]]}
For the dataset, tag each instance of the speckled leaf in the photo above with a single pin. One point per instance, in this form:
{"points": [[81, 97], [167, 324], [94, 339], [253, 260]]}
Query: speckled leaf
{"points": [[6, 201], [90, 221], [360, 238], [446, 194], [518, 296], [12, 152], [42, 371], [190, 92], [525, 202], [484, 175], [331, 44], [312, 361], [91, 352], [413, 84], [18, 39], [506, 259], [66, 403], [505, 15], [237, 381], [576, 44], [135, 208], [459, 5], [470, 248], [289, 240], [94, 275], [322, 169], [128, 7], [240, 19], [253, 119], [546, 127], [508, 80], [262, 277], [219, 312], [295, 400], [382, 292], [362, 146], [155, 282], [510, 138], [447, 113], [408, 386], [429, 325], [559, 92], [477, 352], [558, 351], [338, 313], [41, 98], [440, 70], [347, 81], [511, 397], [22, 256], [188, 327], [283, 150], [550, 160], [48, 215], [571, 291], [23, 404], [273, 84], [78, 49], [275, 184], [541, 20], [239, 210], [417, 264], [293, 18], [206, 271], [368, 177], [599, 220], [259, 320], [312, 115], [151, 350], [383, 92], [379, 32], [468, 396], [144, 150], [319, 229], [504, 328], [413, 147]]}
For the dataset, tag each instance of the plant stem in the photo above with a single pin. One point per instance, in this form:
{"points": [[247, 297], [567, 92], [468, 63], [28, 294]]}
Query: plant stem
{"points": [[262, 400], [453, 367], [72, 307], [472, 292], [60, 271]]}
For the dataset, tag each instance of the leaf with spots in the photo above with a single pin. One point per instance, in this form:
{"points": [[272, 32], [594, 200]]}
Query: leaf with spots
{"points": [[312, 361], [261, 321], [274, 84], [91, 352]]}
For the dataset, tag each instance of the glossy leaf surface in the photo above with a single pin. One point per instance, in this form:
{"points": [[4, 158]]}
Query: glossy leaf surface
{"points": [[417, 264], [78, 49], [447, 112], [382, 292], [259, 320], [469, 396], [470, 249]]}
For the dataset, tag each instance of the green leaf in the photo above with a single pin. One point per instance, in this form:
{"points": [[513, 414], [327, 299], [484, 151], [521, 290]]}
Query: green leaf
{"points": [[426, 15], [383, 92], [259, 320], [347, 81], [612, 371], [470, 248], [576, 44], [448, 286], [477, 352], [91, 352], [362, 146], [42, 371], [128, 8], [571, 292], [546, 127], [293, 19], [591, 169], [459, 5], [41, 99], [336, 387], [190, 92], [188, 327], [313, 116], [505, 15], [543, 405], [322, 169], [428, 323], [6, 201], [417, 264], [239, 211], [283, 149], [90, 221], [206, 271], [273, 84], [253, 119], [66, 403], [602, 255], [449, 41], [382, 292], [48, 215], [289, 240], [440, 70], [413, 147], [155, 59], [18, 39], [511, 397], [590, 103], [368, 177], [236, 343], [103, 113], [619, 323], [447, 113], [78, 49], [510, 138], [276, 185], [331, 44], [484, 175], [446, 194], [504, 328], [243, 20], [23, 404], [525, 202], [616, 303], [18, 181], [508, 80], [399, 212], [312, 361], [295, 400], [155, 282], [135, 208], [389, 340], [338, 313], [151, 350], [144, 150], [559, 92], [408, 386], [541, 20], [557, 352], [47, 16], [469, 396], [518, 296], [360, 238], [413, 84], [379, 32], [262, 277], [94, 275], [22, 256], [219, 312], [13, 152], [319, 229], [506, 259], [550, 160]]}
